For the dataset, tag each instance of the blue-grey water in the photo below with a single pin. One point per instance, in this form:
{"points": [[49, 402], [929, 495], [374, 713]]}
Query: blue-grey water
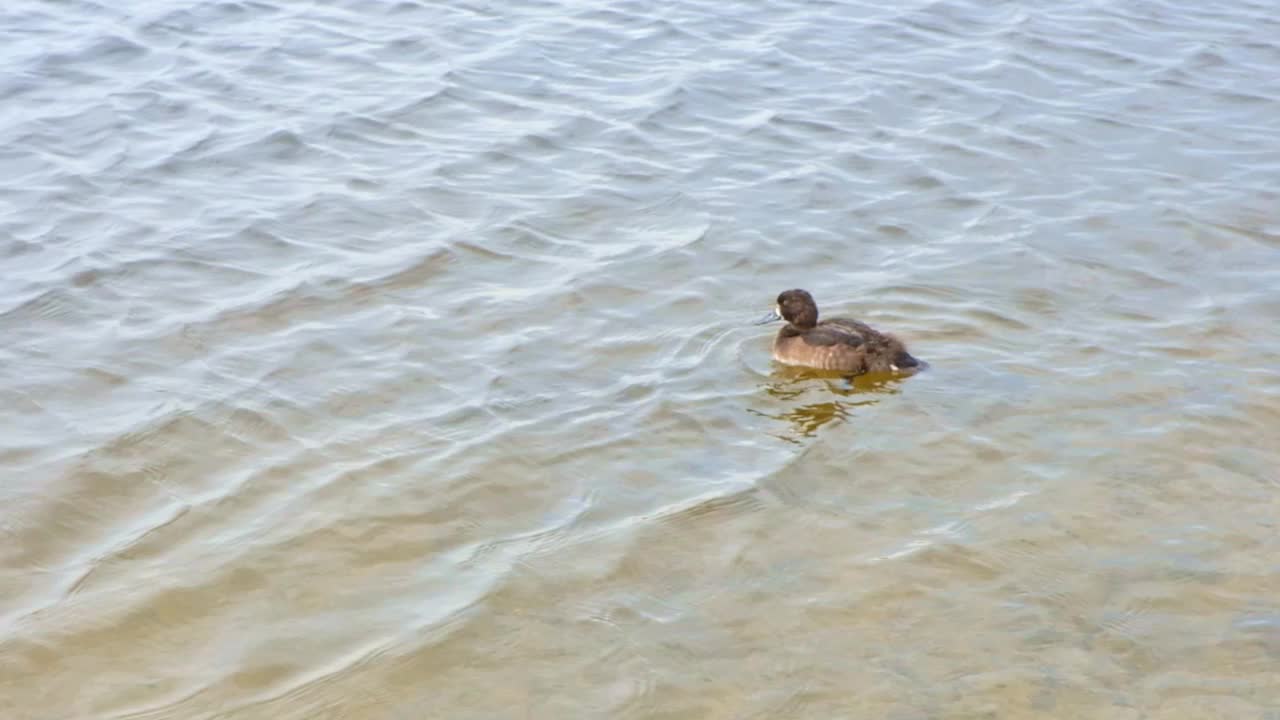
{"points": [[392, 360]]}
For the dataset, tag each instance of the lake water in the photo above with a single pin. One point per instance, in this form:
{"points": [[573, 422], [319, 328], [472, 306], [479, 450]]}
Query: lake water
{"points": [[386, 361]]}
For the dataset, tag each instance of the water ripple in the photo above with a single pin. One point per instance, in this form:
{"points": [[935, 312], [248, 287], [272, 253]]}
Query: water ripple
{"points": [[363, 360]]}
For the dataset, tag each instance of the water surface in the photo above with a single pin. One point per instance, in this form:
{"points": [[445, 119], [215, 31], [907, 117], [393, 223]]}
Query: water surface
{"points": [[392, 360]]}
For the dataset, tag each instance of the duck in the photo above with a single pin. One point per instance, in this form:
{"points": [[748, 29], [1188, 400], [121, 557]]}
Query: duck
{"points": [[838, 344]]}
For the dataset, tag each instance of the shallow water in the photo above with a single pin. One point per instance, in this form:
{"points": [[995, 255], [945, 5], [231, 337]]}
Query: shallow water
{"points": [[388, 361]]}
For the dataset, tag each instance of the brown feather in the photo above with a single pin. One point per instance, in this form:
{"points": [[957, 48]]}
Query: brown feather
{"points": [[836, 344]]}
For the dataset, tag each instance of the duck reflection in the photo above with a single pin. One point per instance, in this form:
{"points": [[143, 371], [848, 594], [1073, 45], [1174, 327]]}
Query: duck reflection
{"points": [[836, 394]]}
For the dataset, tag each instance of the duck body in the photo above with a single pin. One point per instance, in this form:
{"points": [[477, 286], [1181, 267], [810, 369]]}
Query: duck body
{"points": [[840, 344]]}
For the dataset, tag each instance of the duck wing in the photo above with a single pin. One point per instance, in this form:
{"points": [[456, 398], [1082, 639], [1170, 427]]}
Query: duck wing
{"points": [[829, 334], [883, 351], [851, 326]]}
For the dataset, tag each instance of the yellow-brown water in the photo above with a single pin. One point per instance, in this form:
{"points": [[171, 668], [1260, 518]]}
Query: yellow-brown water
{"points": [[380, 361]]}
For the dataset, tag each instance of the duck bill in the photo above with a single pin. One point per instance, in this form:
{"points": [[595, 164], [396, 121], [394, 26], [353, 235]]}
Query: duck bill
{"points": [[771, 317]]}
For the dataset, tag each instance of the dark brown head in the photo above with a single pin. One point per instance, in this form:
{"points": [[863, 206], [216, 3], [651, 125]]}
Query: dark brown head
{"points": [[797, 308]]}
